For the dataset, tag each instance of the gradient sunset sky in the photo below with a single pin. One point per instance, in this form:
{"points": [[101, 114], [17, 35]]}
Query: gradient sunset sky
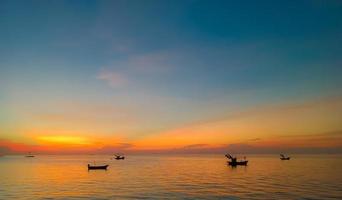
{"points": [[180, 76]]}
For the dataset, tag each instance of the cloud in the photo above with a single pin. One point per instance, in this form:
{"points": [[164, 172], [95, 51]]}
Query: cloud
{"points": [[152, 62], [246, 148], [10, 147], [318, 140], [332, 134], [194, 146], [4, 150], [264, 122], [125, 145], [113, 79], [243, 148], [64, 139], [118, 148], [291, 108], [141, 66], [253, 139]]}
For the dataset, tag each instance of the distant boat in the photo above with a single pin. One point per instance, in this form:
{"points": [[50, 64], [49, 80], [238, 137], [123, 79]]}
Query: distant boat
{"points": [[233, 161], [119, 157], [29, 155], [282, 157], [94, 167]]}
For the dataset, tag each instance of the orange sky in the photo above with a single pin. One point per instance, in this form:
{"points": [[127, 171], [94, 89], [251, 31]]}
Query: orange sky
{"points": [[311, 124], [162, 76]]}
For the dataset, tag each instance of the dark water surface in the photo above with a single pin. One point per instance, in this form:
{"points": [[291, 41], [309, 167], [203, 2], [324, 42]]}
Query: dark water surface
{"points": [[171, 177]]}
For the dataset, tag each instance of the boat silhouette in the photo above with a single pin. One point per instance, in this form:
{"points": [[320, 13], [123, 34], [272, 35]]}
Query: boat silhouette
{"points": [[233, 161], [119, 157], [29, 155], [94, 167], [282, 157]]}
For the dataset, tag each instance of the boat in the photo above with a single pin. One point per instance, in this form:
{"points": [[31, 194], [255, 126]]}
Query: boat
{"points": [[282, 157], [238, 163], [94, 167], [29, 155], [233, 161], [119, 157]]}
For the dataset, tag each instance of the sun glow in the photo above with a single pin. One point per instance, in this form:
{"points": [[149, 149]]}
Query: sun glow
{"points": [[58, 139]]}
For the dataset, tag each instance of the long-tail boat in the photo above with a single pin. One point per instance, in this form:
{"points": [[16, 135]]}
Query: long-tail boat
{"points": [[282, 157], [29, 155], [233, 161], [90, 167], [119, 157], [238, 163]]}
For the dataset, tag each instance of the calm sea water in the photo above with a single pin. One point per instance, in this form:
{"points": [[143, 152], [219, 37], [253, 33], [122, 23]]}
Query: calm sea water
{"points": [[171, 177]]}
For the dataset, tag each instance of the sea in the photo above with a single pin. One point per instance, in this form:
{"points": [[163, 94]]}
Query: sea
{"points": [[170, 177]]}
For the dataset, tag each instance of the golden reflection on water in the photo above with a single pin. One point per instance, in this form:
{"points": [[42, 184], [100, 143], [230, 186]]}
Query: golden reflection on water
{"points": [[170, 176]]}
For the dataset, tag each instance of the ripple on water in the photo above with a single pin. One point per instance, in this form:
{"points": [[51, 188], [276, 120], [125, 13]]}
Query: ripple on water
{"points": [[170, 177]]}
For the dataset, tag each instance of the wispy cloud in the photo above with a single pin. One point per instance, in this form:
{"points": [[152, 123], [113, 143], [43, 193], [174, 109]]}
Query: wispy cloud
{"points": [[4, 150], [253, 139], [135, 68], [268, 122], [60, 139], [194, 146], [10, 147], [116, 148], [151, 62], [114, 79]]}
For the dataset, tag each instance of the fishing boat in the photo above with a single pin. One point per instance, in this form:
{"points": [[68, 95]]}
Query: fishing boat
{"points": [[233, 161], [93, 167], [29, 155], [119, 157], [282, 157]]}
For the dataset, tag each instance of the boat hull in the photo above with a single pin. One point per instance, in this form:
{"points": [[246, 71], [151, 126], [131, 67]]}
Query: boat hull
{"points": [[238, 163], [104, 167], [285, 158]]}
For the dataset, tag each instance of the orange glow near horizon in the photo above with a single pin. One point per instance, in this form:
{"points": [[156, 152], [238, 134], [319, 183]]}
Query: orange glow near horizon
{"points": [[203, 77], [58, 139], [312, 124]]}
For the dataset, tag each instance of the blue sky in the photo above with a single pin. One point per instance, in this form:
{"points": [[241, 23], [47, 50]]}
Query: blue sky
{"points": [[173, 62]]}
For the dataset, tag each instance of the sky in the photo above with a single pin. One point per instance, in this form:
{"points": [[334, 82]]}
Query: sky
{"points": [[170, 76]]}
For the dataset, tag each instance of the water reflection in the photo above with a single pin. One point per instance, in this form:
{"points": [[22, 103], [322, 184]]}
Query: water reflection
{"points": [[175, 177]]}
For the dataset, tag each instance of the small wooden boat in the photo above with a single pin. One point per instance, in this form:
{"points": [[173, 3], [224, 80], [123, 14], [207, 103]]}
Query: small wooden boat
{"points": [[29, 155], [282, 157], [97, 167], [119, 157], [238, 163], [233, 161]]}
